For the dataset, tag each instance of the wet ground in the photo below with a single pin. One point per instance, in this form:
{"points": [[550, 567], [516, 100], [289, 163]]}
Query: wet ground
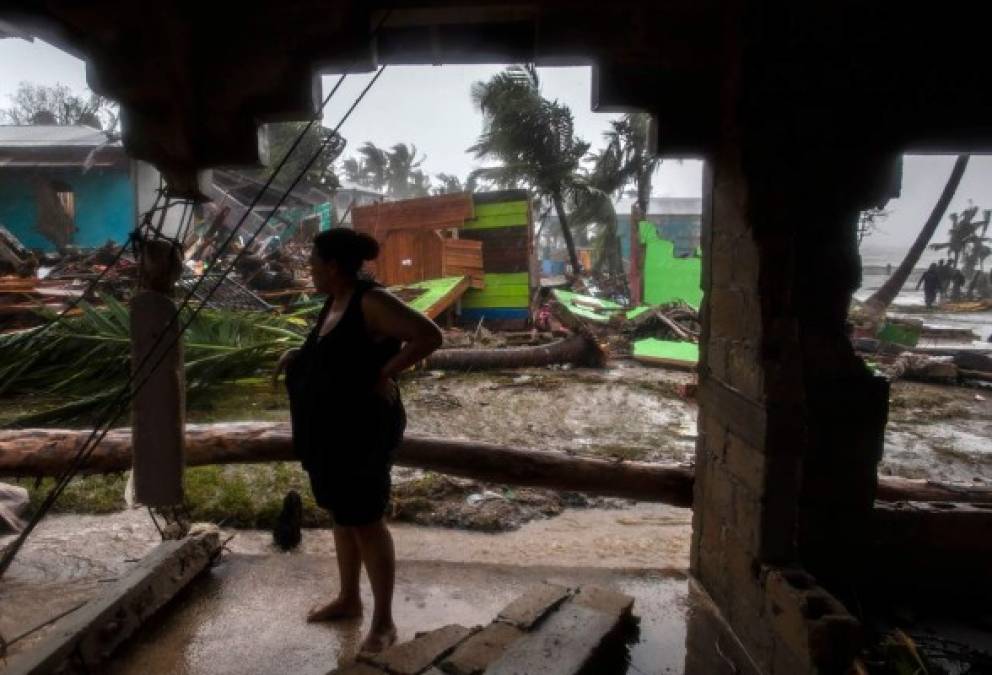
{"points": [[246, 614], [939, 432]]}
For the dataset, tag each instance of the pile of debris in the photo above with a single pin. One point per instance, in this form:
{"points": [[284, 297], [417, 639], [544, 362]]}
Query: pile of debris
{"points": [[664, 335]]}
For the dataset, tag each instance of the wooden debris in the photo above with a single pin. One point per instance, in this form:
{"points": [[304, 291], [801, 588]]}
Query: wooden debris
{"points": [[92, 632]]}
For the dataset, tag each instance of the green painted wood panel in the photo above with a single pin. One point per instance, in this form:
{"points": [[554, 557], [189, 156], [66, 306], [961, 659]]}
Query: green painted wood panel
{"points": [[501, 209]]}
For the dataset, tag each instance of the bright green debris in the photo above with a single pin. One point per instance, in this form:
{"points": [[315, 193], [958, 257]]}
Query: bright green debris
{"points": [[667, 278], [507, 290], [586, 306], [653, 349], [434, 291]]}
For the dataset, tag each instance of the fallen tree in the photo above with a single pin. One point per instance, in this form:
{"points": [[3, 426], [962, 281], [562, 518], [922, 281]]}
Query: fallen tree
{"points": [[575, 349], [47, 452]]}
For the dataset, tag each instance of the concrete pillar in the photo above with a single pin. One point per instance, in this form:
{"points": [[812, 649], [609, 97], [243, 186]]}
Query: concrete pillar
{"points": [[158, 409], [791, 421]]}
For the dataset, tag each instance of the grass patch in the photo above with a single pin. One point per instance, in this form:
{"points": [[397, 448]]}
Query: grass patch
{"points": [[245, 496], [621, 452]]}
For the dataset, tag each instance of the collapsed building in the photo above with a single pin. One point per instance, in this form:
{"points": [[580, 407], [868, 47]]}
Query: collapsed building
{"points": [[790, 104]]}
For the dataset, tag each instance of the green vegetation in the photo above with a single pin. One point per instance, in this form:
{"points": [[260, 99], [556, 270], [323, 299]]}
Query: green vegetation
{"points": [[85, 361]]}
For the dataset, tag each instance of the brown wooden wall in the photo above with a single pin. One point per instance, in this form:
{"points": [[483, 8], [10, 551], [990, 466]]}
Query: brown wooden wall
{"points": [[504, 249]]}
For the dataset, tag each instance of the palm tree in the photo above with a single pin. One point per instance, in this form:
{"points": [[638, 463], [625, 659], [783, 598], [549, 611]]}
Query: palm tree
{"points": [[628, 157], [401, 167], [967, 238], [532, 138], [626, 160], [884, 296]]}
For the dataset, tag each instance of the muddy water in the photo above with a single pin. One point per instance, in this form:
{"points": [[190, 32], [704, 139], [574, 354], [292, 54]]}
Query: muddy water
{"points": [[940, 433]]}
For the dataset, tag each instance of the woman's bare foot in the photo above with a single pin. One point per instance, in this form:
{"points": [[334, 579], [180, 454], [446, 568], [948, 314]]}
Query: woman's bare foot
{"points": [[335, 610], [379, 639]]}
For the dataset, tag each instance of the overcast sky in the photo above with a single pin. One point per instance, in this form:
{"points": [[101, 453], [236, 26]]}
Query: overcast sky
{"points": [[430, 107]]}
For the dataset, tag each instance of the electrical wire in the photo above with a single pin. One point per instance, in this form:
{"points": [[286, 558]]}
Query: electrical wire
{"points": [[122, 399]]}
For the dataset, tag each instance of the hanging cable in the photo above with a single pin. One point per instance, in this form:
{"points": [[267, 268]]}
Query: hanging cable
{"points": [[125, 394]]}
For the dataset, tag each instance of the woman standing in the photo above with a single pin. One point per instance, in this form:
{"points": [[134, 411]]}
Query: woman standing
{"points": [[348, 417]]}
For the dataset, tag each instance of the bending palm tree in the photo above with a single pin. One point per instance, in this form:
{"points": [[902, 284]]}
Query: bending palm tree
{"points": [[884, 296], [533, 139]]}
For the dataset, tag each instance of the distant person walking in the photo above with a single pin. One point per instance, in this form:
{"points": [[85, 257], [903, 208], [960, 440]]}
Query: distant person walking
{"points": [[930, 280], [957, 281], [348, 419], [944, 276]]}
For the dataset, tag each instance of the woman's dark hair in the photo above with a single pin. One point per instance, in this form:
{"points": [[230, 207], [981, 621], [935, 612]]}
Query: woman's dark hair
{"points": [[349, 249]]}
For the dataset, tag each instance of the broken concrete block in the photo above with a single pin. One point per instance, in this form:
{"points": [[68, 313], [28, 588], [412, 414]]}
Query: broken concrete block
{"points": [[91, 633], [411, 658], [532, 606], [808, 621], [605, 600], [474, 654], [565, 643]]}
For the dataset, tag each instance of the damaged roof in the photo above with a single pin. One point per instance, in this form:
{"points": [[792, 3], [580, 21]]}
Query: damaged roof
{"points": [[38, 145], [53, 136]]}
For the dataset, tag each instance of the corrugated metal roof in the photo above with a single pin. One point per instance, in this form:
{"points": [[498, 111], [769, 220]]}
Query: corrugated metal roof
{"points": [[50, 136], [663, 206]]}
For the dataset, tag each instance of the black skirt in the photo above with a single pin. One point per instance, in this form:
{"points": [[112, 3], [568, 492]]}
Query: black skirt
{"points": [[350, 462]]}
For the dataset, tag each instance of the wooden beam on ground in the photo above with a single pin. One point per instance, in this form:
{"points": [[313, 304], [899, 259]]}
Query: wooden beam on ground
{"points": [[92, 632], [46, 452]]}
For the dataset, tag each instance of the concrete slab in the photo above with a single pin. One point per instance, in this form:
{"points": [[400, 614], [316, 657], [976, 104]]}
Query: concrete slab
{"points": [[562, 645], [478, 651], [527, 610], [93, 631], [605, 600], [414, 657]]}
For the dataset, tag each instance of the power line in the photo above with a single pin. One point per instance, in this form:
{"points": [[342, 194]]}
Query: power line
{"points": [[122, 398]]}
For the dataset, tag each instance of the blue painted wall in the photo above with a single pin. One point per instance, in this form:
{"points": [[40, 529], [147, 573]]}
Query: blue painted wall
{"points": [[104, 198]]}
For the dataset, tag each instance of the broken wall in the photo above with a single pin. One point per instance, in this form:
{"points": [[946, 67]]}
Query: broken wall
{"points": [[104, 204]]}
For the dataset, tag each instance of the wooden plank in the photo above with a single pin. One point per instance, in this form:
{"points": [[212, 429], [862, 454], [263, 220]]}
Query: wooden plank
{"points": [[449, 298], [490, 222], [440, 212], [517, 207], [95, 630], [564, 644]]}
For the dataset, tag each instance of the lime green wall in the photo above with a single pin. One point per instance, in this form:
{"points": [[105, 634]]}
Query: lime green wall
{"points": [[667, 278]]}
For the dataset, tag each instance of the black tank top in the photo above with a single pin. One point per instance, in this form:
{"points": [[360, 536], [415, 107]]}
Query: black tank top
{"points": [[331, 382]]}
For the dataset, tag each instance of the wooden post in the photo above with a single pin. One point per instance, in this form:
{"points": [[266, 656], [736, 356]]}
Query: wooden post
{"points": [[636, 273], [158, 409]]}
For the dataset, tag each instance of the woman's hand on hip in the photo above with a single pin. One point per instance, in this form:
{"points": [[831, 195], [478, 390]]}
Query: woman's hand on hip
{"points": [[284, 361]]}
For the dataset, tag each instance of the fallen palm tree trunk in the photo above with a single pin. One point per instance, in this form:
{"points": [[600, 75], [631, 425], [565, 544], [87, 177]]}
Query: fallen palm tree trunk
{"points": [[46, 452], [575, 349]]}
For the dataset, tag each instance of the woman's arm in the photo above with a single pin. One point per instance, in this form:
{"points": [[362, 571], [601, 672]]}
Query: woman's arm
{"points": [[388, 316]]}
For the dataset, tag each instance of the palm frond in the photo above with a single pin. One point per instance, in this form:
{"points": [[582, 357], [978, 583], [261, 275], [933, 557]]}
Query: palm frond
{"points": [[83, 358]]}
